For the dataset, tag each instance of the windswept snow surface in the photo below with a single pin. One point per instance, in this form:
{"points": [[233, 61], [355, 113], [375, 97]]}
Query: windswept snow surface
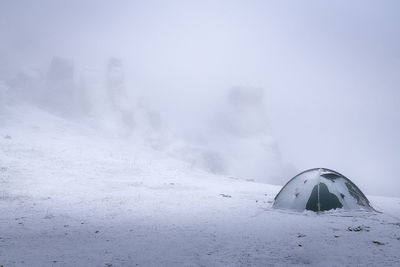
{"points": [[72, 197]]}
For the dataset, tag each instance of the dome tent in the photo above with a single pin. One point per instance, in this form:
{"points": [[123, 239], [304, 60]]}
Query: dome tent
{"points": [[320, 189]]}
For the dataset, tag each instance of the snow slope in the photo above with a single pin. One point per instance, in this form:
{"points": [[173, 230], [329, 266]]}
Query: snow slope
{"points": [[70, 196]]}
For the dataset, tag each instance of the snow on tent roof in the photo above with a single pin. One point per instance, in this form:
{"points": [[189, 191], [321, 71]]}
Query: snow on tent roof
{"points": [[320, 189]]}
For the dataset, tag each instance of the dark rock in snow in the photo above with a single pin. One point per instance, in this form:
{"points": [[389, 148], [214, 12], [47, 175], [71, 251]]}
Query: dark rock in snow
{"points": [[358, 228]]}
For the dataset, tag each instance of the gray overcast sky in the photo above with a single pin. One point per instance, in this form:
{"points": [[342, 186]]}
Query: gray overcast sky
{"points": [[330, 70]]}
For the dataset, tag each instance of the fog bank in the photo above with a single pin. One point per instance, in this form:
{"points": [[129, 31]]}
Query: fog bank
{"points": [[234, 87]]}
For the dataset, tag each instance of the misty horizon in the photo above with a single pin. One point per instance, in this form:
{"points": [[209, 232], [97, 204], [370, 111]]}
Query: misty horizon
{"points": [[328, 75]]}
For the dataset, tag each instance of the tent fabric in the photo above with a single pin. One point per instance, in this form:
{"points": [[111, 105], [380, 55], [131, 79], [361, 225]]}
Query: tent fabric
{"points": [[320, 189]]}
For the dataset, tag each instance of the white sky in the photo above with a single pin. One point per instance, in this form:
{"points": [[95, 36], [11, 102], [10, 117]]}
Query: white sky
{"points": [[331, 71]]}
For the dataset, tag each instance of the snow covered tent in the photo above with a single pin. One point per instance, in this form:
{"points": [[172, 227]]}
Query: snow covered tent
{"points": [[320, 189]]}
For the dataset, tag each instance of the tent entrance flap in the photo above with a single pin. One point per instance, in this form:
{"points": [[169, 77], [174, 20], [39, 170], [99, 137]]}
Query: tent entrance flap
{"points": [[321, 199]]}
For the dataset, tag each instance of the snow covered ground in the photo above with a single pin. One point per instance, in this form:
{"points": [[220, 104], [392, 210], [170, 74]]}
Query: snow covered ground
{"points": [[70, 196]]}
